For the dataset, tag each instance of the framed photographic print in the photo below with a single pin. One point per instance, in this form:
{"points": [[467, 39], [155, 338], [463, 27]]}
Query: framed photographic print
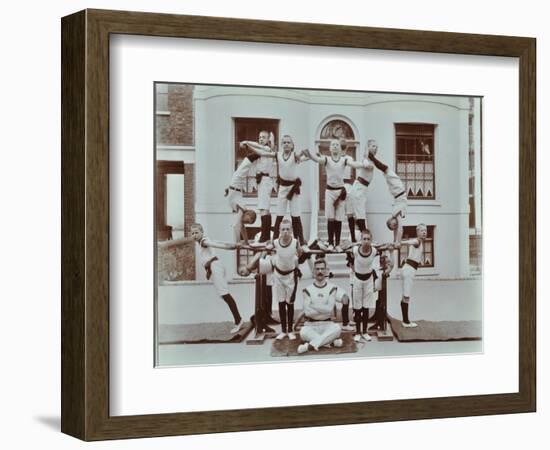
{"points": [[251, 209]]}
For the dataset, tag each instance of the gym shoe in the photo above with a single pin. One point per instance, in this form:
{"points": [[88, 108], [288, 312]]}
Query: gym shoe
{"points": [[357, 338], [237, 327], [280, 336], [366, 337], [338, 343], [302, 348], [409, 325], [338, 249], [291, 336], [348, 328]]}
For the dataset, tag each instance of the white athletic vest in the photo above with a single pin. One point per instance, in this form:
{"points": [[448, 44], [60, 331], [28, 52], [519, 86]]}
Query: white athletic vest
{"points": [[368, 173], [265, 163], [364, 264], [205, 253], [395, 184], [285, 256], [321, 295], [415, 253], [335, 171], [287, 168]]}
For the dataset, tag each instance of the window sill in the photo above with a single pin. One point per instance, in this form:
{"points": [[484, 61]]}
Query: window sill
{"points": [[413, 202], [162, 113]]}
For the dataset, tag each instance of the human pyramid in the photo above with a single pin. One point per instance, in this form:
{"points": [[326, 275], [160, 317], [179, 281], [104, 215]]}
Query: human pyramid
{"points": [[278, 254]]}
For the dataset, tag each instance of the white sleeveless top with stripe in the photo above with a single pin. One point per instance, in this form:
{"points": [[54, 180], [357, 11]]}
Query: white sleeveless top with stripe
{"points": [[265, 164], [366, 173], [321, 295], [285, 257], [415, 253], [336, 171], [288, 168], [364, 264]]}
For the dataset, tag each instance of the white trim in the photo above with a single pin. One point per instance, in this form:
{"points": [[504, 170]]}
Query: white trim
{"points": [[175, 147], [162, 113]]}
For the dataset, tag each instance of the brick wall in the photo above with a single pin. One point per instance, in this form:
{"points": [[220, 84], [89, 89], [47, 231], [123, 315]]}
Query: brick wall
{"points": [[176, 260], [189, 203], [177, 128]]}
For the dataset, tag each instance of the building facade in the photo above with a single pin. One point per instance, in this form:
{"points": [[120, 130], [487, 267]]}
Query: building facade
{"points": [[432, 142]]}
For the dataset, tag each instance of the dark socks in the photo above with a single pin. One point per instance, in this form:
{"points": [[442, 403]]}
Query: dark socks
{"points": [[330, 228], [290, 316], [266, 228], [337, 231], [282, 316], [351, 223], [297, 229], [365, 320], [278, 221], [357, 318], [379, 164], [361, 224], [227, 298], [345, 314], [405, 311]]}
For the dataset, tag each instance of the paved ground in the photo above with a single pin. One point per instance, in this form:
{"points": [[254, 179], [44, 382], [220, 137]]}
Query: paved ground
{"points": [[432, 300]]}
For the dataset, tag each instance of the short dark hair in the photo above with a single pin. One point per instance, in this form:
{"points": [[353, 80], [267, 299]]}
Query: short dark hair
{"points": [[320, 261]]}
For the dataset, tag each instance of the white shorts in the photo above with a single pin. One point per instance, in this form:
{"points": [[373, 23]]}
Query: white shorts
{"points": [[337, 213], [283, 285], [218, 278], [359, 193], [235, 200], [407, 278], [363, 293], [264, 192], [320, 333], [283, 204], [350, 200], [400, 206]]}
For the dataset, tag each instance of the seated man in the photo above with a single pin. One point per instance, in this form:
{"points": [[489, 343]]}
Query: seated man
{"points": [[319, 307]]}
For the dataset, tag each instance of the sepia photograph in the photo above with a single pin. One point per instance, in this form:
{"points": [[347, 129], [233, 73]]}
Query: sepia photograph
{"points": [[294, 224]]}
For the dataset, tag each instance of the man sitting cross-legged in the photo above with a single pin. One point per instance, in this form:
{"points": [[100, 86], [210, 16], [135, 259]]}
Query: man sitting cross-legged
{"points": [[319, 307]]}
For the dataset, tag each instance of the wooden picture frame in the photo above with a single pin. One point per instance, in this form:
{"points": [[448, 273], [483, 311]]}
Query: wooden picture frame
{"points": [[85, 224]]}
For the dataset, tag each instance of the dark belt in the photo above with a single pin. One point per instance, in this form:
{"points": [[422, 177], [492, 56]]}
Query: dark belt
{"points": [[284, 182], [307, 319], [259, 176], [295, 186], [364, 276], [332, 188], [233, 189], [208, 268], [348, 181], [363, 181], [412, 263], [283, 272], [399, 195]]}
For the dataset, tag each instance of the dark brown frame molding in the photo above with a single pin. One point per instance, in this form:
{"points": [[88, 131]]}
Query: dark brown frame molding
{"points": [[85, 224]]}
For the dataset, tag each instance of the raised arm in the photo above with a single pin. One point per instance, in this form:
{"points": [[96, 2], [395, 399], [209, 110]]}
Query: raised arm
{"points": [[413, 241], [316, 157], [219, 244], [262, 150], [358, 164]]}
